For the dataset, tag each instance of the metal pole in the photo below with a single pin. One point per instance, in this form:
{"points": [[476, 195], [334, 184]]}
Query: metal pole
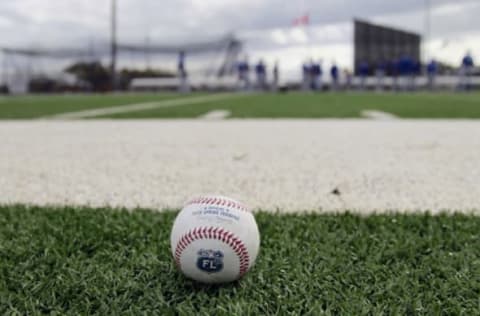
{"points": [[147, 51], [113, 38], [4, 68], [427, 29]]}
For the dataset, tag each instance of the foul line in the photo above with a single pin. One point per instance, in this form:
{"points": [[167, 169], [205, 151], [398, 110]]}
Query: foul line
{"points": [[379, 115], [141, 106]]}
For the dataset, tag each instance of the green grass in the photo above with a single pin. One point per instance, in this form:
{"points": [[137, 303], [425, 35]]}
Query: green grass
{"points": [[290, 105], [110, 262], [34, 106], [328, 105]]}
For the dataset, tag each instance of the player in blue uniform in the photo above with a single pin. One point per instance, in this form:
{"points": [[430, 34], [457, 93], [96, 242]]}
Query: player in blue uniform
{"points": [[182, 73], [334, 76], [316, 74], [363, 71], [392, 70], [416, 72], [243, 74], [261, 73], [380, 73], [466, 71], [405, 71], [432, 69]]}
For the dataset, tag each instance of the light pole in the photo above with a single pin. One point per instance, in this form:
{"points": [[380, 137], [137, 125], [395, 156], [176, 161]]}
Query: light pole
{"points": [[427, 26], [113, 43], [4, 68], [147, 51]]}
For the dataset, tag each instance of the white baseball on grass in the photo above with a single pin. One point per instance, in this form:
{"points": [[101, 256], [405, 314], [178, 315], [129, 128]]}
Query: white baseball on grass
{"points": [[214, 239]]}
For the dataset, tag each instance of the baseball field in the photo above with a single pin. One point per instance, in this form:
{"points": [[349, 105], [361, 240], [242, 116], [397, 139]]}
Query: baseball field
{"points": [[289, 105], [359, 213]]}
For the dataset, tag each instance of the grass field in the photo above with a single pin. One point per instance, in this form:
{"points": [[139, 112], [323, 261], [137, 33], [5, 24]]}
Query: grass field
{"points": [[34, 106], [298, 105], [290, 105], [107, 262]]}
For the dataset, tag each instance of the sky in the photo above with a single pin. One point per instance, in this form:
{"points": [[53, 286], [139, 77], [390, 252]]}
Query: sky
{"points": [[266, 25]]}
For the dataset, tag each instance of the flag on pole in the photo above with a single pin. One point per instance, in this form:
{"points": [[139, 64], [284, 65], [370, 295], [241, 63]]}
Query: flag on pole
{"points": [[301, 20]]}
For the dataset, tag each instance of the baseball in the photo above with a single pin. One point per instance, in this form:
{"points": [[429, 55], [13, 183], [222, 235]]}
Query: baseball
{"points": [[214, 239]]}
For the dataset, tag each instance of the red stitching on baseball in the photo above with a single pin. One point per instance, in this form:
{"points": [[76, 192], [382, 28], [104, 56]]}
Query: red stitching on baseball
{"points": [[219, 202], [218, 234]]}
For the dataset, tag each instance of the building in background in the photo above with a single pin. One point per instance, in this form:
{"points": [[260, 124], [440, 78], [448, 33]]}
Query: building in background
{"points": [[376, 43]]}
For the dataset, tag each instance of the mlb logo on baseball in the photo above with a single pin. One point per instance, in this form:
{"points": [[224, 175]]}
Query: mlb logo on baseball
{"points": [[215, 247], [210, 261]]}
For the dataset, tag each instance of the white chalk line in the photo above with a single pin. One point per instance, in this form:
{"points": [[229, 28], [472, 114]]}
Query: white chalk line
{"points": [[215, 115], [378, 115], [141, 106]]}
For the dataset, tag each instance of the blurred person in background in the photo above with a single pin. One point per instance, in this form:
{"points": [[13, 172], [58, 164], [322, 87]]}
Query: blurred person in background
{"points": [[405, 72], [334, 76], [466, 72], [432, 69], [316, 74], [363, 71], [380, 74], [348, 79], [306, 75], [392, 69], [261, 74], [276, 76], [243, 69], [182, 73], [415, 72]]}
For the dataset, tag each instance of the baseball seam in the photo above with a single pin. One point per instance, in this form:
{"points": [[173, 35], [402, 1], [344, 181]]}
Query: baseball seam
{"points": [[218, 201], [215, 233]]}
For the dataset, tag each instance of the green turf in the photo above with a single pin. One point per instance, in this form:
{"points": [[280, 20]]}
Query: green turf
{"points": [[97, 261], [34, 106], [290, 105], [328, 105]]}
